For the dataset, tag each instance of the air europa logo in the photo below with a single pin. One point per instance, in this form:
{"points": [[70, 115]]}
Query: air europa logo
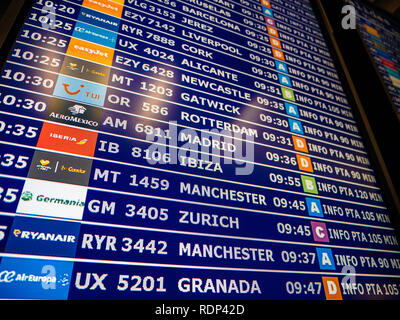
{"points": [[7, 276], [34, 279], [94, 34]]}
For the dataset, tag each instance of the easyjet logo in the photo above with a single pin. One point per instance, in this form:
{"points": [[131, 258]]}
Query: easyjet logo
{"points": [[106, 6], [90, 51]]}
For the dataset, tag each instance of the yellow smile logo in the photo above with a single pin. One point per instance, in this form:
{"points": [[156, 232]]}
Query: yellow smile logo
{"points": [[44, 162]]}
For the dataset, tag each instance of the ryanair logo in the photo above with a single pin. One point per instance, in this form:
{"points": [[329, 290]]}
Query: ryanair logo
{"points": [[44, 236]]}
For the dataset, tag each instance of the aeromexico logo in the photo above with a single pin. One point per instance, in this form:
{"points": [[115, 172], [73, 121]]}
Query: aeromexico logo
{"points": [[29, 196]]}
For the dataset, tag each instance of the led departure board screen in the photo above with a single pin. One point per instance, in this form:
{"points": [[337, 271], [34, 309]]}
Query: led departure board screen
{"points": [[185, 149], [382, 37]]}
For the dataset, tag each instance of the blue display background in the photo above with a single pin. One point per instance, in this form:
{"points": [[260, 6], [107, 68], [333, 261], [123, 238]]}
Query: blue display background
{"points": [[307, 221]]}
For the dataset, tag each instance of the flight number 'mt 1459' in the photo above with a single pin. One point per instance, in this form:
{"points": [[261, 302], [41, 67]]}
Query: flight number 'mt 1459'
{"points": [[135, 180]]}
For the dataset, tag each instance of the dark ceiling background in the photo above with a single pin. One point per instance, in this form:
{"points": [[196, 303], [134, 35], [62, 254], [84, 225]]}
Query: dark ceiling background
{"points": [[391, 6]]}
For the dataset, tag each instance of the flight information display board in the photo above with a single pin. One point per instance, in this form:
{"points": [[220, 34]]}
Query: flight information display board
{"points": [[381, 34], [185, 149]]}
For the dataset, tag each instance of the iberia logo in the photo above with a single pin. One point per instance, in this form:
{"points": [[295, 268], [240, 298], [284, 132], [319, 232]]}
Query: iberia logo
{"points": [[67, 139]]}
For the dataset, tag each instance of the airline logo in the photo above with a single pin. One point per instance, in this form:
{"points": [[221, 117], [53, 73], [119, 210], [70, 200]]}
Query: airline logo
{"points": [[52, 199], [90, 51], [85, 70], [60, 168], [383, 53], [99, 19], [388, 63], [43, 236], [371, 30], [80, 90], [395, 81], [112, 8], [392, 72], [34, 279], [73, 113], [67, 139], [95, 34], [77, 109]]}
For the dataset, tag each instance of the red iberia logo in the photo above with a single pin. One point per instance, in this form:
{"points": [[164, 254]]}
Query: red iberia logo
{"points": [[67, 139]]}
